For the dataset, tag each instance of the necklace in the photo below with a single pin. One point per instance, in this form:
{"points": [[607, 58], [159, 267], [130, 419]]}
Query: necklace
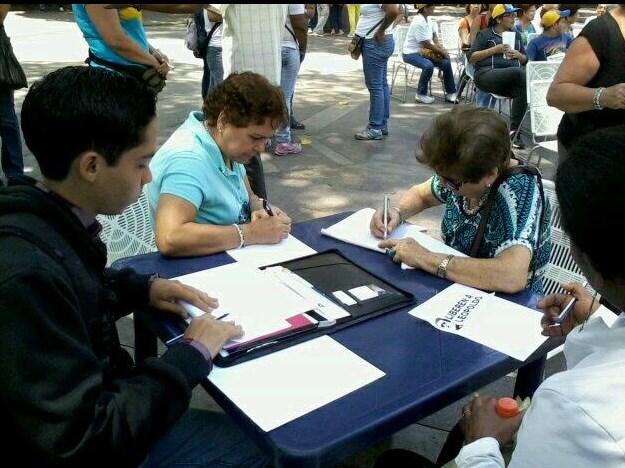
{"points": [[472, 211]]}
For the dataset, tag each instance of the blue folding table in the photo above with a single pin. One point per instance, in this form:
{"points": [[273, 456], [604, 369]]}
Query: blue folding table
{"points": [[425, 369]]}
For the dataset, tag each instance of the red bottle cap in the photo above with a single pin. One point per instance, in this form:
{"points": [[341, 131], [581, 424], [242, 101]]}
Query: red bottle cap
{"points": [[507, 407]]}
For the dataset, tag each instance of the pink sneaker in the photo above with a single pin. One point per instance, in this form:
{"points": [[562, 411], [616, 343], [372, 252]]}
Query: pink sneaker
{"points": [[288, 148]]}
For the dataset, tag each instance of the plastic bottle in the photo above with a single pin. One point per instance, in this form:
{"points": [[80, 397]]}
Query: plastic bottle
{"points": [[507, 408]]}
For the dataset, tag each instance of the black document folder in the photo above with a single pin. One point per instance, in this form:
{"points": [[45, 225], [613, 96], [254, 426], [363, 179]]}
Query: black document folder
{"points": [[362, 294]]}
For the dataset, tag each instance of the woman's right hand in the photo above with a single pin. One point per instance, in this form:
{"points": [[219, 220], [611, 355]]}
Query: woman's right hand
{"points": [[553, 304], [614, 97], [270, 229], [377, 222], [501, 49]]}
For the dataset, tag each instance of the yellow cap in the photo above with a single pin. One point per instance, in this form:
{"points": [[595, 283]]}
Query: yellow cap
{"points": [[553, 16], [421, 6], [502, 8]]}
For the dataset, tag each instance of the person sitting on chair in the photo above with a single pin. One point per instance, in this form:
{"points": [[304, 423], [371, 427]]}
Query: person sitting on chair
{"points": [[200, 196], [554, 40], [422, 50], [71, 392], [498, 67]]}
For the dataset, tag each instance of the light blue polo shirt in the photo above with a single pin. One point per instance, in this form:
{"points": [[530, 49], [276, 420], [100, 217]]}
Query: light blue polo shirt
{"points": [[131, 22], [190, 166]]}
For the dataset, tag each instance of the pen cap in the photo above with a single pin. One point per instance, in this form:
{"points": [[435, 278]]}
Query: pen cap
{"points": [[507, 407]]}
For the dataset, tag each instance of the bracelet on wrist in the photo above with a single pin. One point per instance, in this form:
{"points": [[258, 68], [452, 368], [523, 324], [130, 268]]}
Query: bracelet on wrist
{"points": [[241, 236], [401, 215], [596, 100]]}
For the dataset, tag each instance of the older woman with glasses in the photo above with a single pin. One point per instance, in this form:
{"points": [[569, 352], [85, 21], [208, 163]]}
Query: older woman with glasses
{"points": [[474, 156]]}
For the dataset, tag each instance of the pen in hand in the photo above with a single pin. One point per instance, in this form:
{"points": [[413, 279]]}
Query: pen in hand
{"points": [[567, 310], [385, 214], [267, 207]]}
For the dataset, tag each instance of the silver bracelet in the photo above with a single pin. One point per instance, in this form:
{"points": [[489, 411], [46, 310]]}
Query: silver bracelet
{"points": [[241, 237], [596, 100]]}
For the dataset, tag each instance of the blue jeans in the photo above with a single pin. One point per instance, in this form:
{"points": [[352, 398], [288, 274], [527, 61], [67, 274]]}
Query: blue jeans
{"points": [[375, 64], [213, 69], [205, 438], [288, 77], [12, 160], [427, 69]]}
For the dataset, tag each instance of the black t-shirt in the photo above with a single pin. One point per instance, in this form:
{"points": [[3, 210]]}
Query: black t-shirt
{"points": [[608, 44], [488, 38]]}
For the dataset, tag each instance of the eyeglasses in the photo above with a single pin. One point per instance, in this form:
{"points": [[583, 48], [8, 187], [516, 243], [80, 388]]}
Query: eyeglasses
{"points": [[451, 184]]}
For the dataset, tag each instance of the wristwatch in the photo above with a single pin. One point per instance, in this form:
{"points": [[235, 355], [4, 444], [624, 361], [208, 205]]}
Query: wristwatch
{"points": [[442, 268]]}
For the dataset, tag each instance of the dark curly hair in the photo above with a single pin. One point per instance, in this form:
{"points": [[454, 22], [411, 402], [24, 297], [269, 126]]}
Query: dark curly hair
{"points": [[473, 140], [245, 98]]}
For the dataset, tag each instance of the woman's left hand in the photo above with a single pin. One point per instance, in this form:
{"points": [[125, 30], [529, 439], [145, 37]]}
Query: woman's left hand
{"points": [[407, 251], [380, 36]]}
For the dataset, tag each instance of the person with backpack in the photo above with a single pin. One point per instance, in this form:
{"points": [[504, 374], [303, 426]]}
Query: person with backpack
{"points": [[71, 394], [204, 40]]}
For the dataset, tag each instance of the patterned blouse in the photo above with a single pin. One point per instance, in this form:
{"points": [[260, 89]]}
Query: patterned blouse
{"points": [[513, 221]]}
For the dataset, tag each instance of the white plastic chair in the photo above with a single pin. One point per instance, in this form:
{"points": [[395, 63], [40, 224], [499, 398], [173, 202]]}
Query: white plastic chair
{"points": [[398, 61], [544, 119], [536, 71], [129, 233]]}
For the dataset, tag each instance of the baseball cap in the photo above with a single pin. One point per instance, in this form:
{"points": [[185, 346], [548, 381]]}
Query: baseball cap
{"points": [[502, 8], [421, 6], [553, 16]]}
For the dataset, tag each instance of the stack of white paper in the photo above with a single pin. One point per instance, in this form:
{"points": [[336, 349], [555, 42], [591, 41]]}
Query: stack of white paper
{"points": [[253, 299], [488, 320], [275, 389], [263, 255]]}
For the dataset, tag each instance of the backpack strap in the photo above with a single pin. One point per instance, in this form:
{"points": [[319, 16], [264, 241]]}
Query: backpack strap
{"points": [[490, 200]]}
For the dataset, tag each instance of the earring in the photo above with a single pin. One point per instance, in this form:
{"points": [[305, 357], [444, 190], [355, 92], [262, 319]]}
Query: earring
{"points": [[488, 185], [220, 128]]}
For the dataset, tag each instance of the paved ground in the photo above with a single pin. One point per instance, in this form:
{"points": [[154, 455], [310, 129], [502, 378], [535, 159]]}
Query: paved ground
{"points": [[334, 173]]}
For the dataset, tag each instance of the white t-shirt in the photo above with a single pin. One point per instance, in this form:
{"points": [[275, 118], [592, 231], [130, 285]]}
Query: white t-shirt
{"points": [[287, 38], [216, 37], [421, 29], [370, 15]]}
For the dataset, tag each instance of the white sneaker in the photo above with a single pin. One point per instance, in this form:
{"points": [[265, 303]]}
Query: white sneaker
{"points": [[451, 97], [424, 99]]}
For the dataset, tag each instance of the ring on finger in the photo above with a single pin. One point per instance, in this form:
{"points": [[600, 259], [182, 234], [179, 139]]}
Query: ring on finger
{"points": [[465, 413]]}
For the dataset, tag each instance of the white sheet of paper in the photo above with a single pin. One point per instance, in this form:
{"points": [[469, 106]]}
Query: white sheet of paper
{"points": [[275, 389], [256, 301], [263, 255], [355, 230], [506, 327], [508, 37]]}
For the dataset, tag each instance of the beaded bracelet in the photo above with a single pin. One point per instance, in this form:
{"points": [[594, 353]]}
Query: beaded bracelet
{"points": [[241, 237], [596, 100]]}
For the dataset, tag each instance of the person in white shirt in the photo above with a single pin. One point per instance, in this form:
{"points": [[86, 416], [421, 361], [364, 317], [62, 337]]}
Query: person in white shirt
{"points": [[214, 63], [602, 8], [376, 27], [422, 50], [576, 417]]}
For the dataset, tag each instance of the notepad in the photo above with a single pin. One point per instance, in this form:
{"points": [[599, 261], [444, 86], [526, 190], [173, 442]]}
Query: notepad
{"points": [[491, 321], [355, 230]]}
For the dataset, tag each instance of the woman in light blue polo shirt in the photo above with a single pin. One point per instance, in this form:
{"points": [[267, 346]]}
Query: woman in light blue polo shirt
{"points": [[200, 196]]}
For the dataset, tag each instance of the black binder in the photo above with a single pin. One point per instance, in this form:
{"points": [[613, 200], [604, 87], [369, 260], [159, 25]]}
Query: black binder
{"points": [[327, 271]]}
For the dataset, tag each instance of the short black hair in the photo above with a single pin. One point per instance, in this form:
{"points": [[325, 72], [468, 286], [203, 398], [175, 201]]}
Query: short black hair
{"points": [[590, 185], [573, 8], [77, 109]]}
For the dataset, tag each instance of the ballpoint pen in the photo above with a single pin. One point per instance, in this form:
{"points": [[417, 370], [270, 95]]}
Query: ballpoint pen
{"points": [[267, 207], [567, 310], [177, 338], [385, 214]]}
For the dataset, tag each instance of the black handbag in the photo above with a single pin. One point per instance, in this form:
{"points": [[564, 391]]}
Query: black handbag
{"points": [[12, 74]]}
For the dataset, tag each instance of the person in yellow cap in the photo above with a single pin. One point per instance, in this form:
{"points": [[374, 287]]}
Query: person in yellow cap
{"points": [[554, 39], [499, 68]]}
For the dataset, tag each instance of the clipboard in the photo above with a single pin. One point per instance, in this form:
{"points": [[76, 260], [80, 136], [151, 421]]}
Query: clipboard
{"points": [[327, 272]]}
